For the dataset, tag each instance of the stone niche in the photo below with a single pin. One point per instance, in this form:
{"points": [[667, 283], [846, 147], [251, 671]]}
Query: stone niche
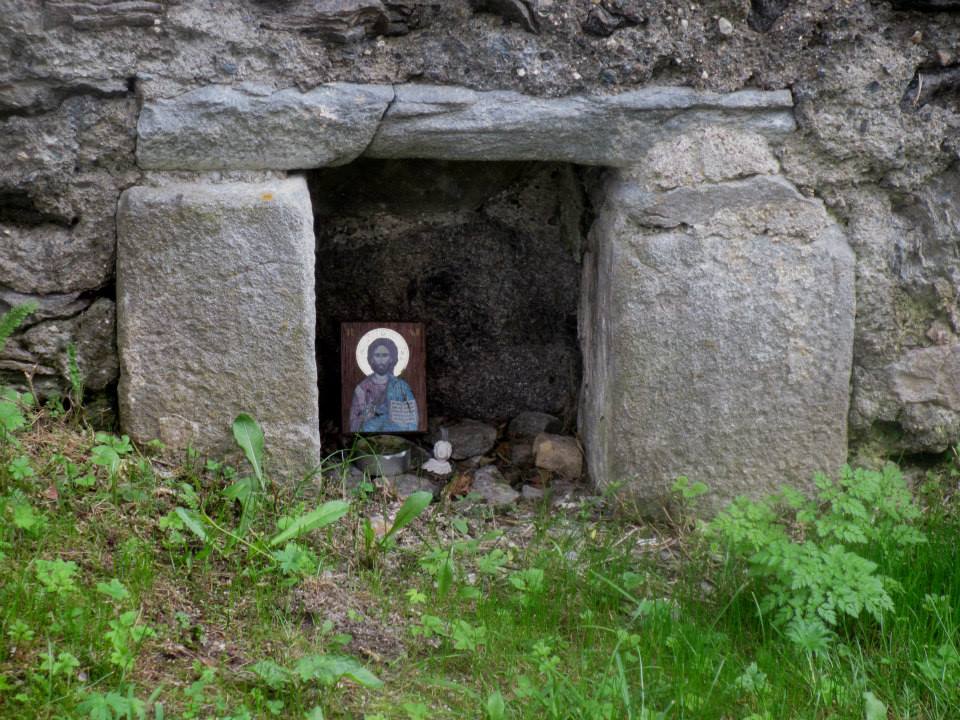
{"points": [[486, 255], [714, 310]]}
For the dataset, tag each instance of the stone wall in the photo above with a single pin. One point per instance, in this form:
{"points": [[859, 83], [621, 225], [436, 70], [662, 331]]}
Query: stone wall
{"points": [[873, 90]]}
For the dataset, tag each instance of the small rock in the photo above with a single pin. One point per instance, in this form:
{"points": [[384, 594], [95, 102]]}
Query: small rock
{"points": [[491, 486], [472, 463], [601, 23], [944, 57], [512, 476], [916, 38], [521, 454], [407, 484], [351, 480], [725, 27], [380, 524], [560, 454], [531, 493], [530, 424], [605, 19], [939, 333], [470, 438]]}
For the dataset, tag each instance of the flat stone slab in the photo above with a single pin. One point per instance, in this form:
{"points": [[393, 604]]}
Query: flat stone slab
{"points": [[249, 127], [449, 123], [215, 315], [718, 336]]}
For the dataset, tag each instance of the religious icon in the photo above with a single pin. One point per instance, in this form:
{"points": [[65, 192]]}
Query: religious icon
{"points": [[383, 377]]}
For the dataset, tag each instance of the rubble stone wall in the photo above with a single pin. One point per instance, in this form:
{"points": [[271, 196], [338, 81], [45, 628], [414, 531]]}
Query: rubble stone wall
{"points": [[873, 107]]}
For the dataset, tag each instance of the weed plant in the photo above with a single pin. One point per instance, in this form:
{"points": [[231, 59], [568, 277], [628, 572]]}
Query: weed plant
{"points": [[134, 588]]}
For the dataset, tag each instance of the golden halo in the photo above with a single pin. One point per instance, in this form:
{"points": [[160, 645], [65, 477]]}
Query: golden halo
{"points": [[403, 350]]}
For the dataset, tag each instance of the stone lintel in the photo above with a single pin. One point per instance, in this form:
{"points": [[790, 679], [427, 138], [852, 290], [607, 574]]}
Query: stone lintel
{"points": [[251, 127], [610, 130], [216, 316], [248, 127]]}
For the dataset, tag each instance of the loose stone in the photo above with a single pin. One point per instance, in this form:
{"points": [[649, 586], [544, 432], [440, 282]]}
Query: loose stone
{"points": [[531, 493], [521, 454], [530, 424], [558, 453], [490, 484], [407, 484], [470, 438]]}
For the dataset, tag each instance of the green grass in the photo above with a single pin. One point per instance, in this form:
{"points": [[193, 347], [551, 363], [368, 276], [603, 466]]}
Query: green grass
{"points": [[568, 613]]}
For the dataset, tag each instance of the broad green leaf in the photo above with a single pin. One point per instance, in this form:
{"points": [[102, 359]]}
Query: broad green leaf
{"points": [[445, 576], [249, 437], [107, 457], [328, 669], [241, 490], [114, 589], [193, 522], [275, 676], [875, 709], [245, 490], [10, 416], [26, 518], [324, 515], [496, 707], [409, 511], [461, 526], [96, 707]]}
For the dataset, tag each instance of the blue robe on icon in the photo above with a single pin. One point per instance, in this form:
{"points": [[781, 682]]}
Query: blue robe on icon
{"points": [[383, 407]]}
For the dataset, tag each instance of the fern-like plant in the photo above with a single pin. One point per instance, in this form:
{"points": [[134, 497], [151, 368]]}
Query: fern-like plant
{"points": [[808, 558], [12, 319]]}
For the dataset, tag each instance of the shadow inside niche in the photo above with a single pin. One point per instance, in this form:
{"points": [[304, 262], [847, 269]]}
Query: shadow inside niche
{"points": [[486, 255]]}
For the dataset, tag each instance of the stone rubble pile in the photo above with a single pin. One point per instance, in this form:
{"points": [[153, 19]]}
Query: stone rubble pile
{"points": [[488, 467]]}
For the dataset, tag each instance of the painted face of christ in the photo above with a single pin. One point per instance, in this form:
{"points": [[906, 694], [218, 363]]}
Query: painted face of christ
{"points": [[382, 356]]}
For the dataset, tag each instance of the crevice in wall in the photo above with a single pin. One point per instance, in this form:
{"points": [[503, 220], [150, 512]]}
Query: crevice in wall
{"points": [[52, 98], [765, 13], [18, 207], [933, 86]]}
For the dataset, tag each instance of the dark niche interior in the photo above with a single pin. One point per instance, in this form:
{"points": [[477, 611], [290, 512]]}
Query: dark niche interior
{"points": [[486, 255]]}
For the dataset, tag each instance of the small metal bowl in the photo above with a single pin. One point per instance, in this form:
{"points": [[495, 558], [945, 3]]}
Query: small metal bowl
{"points": [[383, 464]]}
